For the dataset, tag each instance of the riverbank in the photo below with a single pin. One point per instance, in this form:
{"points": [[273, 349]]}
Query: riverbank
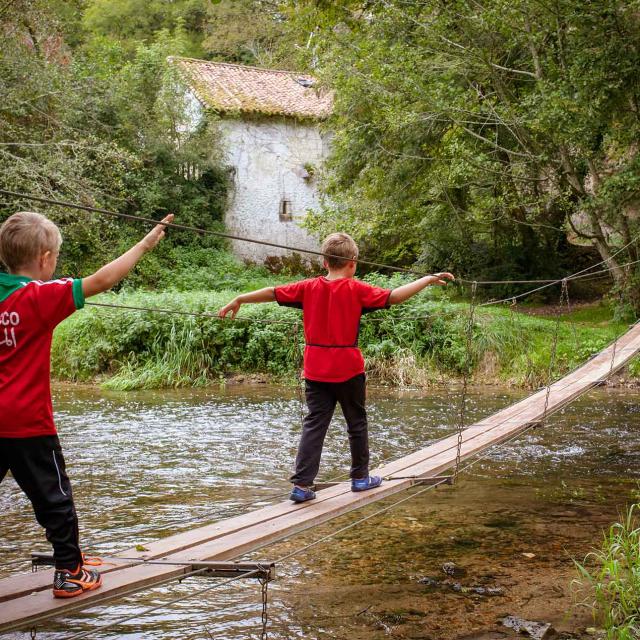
{"points": [[418, 344]]}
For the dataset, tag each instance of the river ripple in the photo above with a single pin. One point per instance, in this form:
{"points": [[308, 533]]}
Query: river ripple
{"points": [[148, 464]]}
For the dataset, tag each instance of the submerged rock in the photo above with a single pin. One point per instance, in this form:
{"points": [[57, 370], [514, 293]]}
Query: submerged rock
{"points": [[530, 628], [460, 588], [452, 569], [480, 591]]}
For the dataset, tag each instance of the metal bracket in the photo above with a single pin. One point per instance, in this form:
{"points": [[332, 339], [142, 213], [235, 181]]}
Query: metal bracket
{"points": [[41, 560], [214, 569], [260, 570]]}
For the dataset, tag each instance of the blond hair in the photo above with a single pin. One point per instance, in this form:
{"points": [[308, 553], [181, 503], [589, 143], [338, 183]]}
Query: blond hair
{"points": [[341, 245], [25, 236]]}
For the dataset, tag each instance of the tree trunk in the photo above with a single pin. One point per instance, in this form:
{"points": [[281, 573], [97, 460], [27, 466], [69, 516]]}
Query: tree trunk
{"points": [[604, 250]]}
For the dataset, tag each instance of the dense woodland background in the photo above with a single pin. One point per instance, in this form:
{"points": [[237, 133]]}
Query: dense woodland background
{"points": [[496, 139]]}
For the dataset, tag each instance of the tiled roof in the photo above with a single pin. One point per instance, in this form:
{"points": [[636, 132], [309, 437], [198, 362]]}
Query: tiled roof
{"points": [[236, 88]]}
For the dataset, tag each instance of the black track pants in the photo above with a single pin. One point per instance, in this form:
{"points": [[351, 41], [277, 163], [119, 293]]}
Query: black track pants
{"points": [[321, 403], [38, 467]]}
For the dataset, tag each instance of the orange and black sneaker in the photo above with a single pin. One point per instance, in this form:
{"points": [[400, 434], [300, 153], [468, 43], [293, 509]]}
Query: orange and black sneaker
{"points": [[67, 583], [91, 561]]}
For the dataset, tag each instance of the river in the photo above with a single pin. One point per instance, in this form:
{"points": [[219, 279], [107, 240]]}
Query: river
{"points": [[149, 464]]}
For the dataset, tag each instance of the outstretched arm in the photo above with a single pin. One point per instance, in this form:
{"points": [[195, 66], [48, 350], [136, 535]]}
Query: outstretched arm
{"points": [[261, 295], [400, 294], [109, 275]]}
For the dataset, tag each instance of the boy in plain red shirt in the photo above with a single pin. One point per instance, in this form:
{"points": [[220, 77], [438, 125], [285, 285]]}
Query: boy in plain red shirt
{"points": [[31, 306], [333, 365]]}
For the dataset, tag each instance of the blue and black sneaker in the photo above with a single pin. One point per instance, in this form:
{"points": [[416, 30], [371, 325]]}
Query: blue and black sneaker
{"points": [[364, 484], [298, 494]]}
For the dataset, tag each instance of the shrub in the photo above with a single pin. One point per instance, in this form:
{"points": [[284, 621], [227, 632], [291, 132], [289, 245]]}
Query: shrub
{"points": [[611, 576], [418, 342]]}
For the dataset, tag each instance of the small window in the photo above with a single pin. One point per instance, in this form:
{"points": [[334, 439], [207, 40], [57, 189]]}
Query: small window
{"points": [[285, 211]]}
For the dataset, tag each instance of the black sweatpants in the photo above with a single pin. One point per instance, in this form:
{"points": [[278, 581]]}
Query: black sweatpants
{"points": [[38, 467], [321, 403]]}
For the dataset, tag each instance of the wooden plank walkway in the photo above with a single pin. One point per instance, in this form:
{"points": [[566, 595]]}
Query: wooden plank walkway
{"points": [[26, 599]]}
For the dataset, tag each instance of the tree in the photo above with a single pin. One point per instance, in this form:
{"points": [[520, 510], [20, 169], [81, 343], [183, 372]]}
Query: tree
{"points": [[98, 126], [246, 32], [132, 22], [484, 136]]}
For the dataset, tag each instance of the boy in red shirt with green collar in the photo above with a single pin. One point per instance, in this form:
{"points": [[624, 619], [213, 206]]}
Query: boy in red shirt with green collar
{"points": [[333, 365], [31, 306]]}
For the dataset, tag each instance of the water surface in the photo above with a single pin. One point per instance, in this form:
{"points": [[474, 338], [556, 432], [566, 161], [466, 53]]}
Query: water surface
{"points": [[149, 464]]}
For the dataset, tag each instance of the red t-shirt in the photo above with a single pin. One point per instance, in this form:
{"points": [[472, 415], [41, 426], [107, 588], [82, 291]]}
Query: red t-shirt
{"points": [[331, 311], [29, 312]]}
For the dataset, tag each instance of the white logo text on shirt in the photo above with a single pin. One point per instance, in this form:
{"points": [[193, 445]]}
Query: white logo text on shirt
{"points": [[8, 322]]}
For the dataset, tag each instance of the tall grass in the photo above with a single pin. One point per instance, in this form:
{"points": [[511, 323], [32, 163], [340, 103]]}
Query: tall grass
{"points": [[611, 578], [420, 342]]}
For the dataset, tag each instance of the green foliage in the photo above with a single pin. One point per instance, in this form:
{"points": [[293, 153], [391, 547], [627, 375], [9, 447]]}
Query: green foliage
{"points": [[634, 368], [242, 31], [246, 32], [144, 349], [210, 270], [611, 576], [105, 127], [132, 22], [482, 138], [421, 341]]}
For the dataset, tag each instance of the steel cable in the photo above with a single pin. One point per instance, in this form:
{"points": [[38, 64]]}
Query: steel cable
{"points": [[578, 275], [220, 234]]}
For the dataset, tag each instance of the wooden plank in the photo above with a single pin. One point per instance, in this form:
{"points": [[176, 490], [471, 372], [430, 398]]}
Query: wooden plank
{"points": [[41, 605], [234, 537], [27, 583]]}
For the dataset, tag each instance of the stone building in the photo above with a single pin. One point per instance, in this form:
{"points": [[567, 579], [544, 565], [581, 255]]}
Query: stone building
{"points": [[274, 149]]}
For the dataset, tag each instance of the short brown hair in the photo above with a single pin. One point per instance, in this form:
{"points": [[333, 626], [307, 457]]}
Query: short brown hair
{"points": [[342, 245], [25, 236]]}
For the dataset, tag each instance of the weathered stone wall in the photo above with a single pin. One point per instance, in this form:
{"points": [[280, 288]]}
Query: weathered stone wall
{"points": [[269, 159]]}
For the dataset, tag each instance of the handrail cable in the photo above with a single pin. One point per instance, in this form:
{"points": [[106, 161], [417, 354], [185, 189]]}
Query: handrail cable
{"points": [[574, 276], [366, 319], [202, 231], [220, 234], [217, 585], [195, 314]]}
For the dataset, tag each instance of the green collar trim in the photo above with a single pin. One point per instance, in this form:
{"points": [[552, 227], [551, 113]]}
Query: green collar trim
{"points": [[10, 283]]}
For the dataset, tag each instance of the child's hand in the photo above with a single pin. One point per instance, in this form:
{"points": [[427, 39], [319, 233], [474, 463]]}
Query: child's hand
{"points": [[156, 234], [443, 278], [233, 306]]}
